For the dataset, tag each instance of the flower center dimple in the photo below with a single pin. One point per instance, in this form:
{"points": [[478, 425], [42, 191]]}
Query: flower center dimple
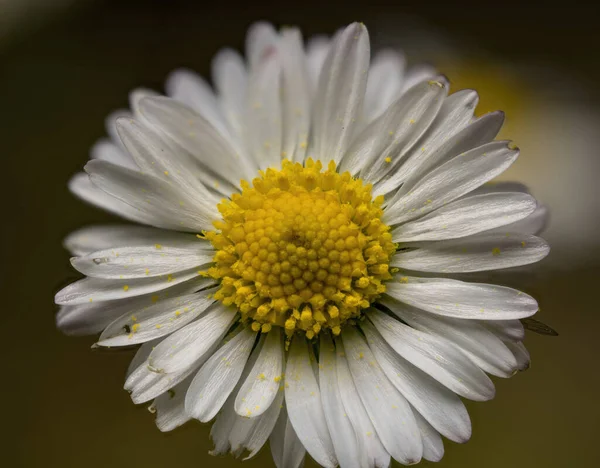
{"points": [[301, 248]]}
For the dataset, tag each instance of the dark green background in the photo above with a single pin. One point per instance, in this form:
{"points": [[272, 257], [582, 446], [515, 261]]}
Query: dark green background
{"points": [[64, 403]]}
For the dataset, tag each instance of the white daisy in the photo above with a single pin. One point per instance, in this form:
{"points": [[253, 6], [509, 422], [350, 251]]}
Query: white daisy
{"points": [[310, 303]]}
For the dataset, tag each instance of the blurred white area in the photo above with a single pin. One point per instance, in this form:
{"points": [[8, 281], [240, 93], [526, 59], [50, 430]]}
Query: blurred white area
{"points": [[550, 115], [20, 16]]}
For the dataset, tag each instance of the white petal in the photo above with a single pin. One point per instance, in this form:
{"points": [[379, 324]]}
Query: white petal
{"points": [[107, 150], [157, 157], [252, 433], [385, 82], [304, 405], [438, 358], [163, 204], [479, 344], [458, 299], [440, 406], [223, 427], [262, 384], [521, 354], [345, 441], [101, 237], [467, 216], [141, 324], [170, 408], [111, 127], [81, 185], [433, 446], [481, 252], [535, 223], [286, 448], [218, 377], [506, 330], [388, 409], [416, 74], [86, 319], [135, 98], [264, 117], [261, 39], [394, 133], [190, 89], [91, 317], [187, 345], [371, 451], [144, 383], [457, 177], [295, 96], [340, 93], [231, 80], [420, 163], [222, 431], [141, 356], [90, 290], [316, 53], [141, 261], [218, 157], [455, 113]]}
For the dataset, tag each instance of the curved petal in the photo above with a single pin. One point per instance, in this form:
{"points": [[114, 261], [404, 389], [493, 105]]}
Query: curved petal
{"points": [[192, 90], [219, 160], [316, 53], [479, 132], [170, 408], [387, 408], [262, 384], [384, 84], [467, 216], [261, 39], [340, 94], [107, 150], [521, 354], [88, 290], [455, 113], [506, 330], [140, 261], [482, 252], [81, 185], [345, 441], [437, 404], [384, 143], [370, 449], [231, 81], [90, 239], [433, 446], [184, 347], [458, 299], [304, 405], [436, 357], [448, 182], [161, 203], [264, 114], [478, 343], [286, 448], [218, 376], [138, 325]]}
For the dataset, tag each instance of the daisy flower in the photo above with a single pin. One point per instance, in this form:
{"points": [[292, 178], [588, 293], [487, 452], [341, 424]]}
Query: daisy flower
{"points": [[301, 222]]}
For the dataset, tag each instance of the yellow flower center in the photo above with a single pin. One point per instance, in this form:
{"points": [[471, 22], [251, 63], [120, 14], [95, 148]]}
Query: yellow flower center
{"points": [[301, 248]]}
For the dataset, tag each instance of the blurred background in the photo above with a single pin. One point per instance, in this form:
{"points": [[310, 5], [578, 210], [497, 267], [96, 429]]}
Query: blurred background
{"points": [[65, 64]]}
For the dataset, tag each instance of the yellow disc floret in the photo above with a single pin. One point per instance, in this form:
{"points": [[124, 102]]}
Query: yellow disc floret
{"points": [[301, 248]]}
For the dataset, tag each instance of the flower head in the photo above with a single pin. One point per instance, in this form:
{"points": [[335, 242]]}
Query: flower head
{"points": [[302, 222]]}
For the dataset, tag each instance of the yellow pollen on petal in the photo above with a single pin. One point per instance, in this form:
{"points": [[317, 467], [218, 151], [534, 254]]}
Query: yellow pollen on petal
{"points": [[303, 248]]}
